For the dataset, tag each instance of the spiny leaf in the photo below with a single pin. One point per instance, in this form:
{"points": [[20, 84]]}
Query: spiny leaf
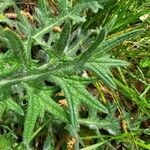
{"points": [[74, 13], [8, 69], [75, 41], [35, 102], [70, 100], [62, 7], [111, 126], [111, 43], [37, 74], [110, 123], [106, 61], [48, 104], [76, 93], [14, 106], [63, 40], [31, 117], [101, 67], [23, 21], [93, 5], [16, 44], [102, 73], [90, 51], [42, 5]]}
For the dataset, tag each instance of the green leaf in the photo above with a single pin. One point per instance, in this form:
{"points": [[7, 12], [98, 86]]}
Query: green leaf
{"points": [[63, 39], [37, 101], [111, 43], [24, 24], [111, 23], [51, 106], [42, 6], [8, 65], [14, 106], [83, 6], [91, 50], [102, 72], [106, 61], [101, 66], [75, 92], [110, 123], [31, 117], [16, 44], [91, 4], [66, 10], [4, 5], [63, 7]]}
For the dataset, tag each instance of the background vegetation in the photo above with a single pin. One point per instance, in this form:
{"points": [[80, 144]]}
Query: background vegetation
{"points": [[75, 74]]}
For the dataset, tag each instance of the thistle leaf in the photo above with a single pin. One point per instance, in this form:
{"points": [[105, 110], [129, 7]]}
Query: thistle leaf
{"points": [[38, 100], [23, 21], [14, 106], [42, 5], [63, 40], [101, 67], [90, 51], [110, 123], [94, 6], [16, 44], [111, 43], [51, 106], [66, 10], [76, 93], [31, 117]]}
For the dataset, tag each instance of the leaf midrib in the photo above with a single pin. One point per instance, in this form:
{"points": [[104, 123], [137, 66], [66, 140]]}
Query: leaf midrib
{"points": [[5, 81]]}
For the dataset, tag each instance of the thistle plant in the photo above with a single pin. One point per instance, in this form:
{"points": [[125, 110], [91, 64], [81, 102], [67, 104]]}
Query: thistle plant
{"points": [[46, 57]]}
